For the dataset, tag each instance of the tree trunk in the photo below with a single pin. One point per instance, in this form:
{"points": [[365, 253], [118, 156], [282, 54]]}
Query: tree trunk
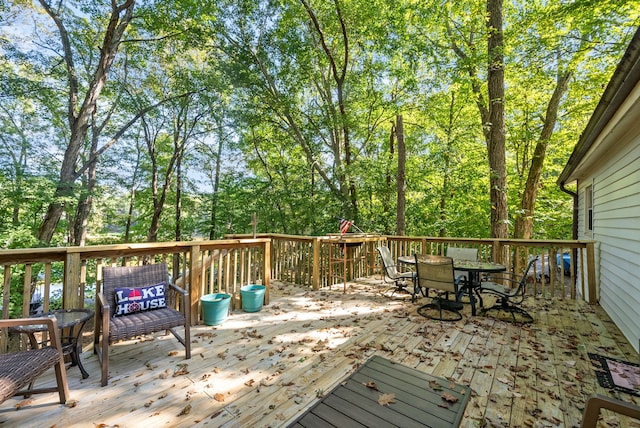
{"points": [[85, 202], [132, 195], [216, 184], [524, 221], [446, 179], [85, 199], [179, 195], [401, 179], [496, 142], [387, 194]]}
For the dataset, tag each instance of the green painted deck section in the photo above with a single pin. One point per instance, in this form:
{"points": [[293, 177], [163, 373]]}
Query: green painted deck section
{"points": [[418, 400]]}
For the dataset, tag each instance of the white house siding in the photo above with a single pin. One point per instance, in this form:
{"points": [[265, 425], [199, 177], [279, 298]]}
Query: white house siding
{"points": [[616, 228]]}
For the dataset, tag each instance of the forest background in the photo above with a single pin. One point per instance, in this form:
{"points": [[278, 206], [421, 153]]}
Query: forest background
{"points": [[129, 121]]}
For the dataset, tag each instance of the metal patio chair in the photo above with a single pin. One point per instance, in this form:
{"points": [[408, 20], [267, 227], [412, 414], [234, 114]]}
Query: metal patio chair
{"points": [[509, 298], [391, 274], [436, 273]]}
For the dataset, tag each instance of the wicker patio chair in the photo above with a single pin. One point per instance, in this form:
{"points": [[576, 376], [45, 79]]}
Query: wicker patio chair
{"points": [[22, 368], [111, 327]]}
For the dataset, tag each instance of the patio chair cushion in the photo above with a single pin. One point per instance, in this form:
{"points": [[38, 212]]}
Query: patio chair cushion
{"points": [[146, 322], [21, 368], [136, 299]]}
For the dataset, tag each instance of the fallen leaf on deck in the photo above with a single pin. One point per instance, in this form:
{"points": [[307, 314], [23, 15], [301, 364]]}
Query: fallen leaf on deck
{"points": [[183, 370], [219, 397], [386, 399], [250, 382], [449, 398], [71, 403], [185, 411], [165, 374], [371, 385], [172, 353], [435, 385], [24, 403]]}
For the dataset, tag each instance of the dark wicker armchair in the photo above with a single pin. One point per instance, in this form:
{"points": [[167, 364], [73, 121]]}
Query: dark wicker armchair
{"points": [[19, 369], [112, 326]]}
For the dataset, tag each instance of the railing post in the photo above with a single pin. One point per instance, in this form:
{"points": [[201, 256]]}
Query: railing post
{"points": [[26, 292], [266, 270], [71, 294], [6, 292], [315, 275], [194, 288], [591, 274], [496, 251], [6, 295]]}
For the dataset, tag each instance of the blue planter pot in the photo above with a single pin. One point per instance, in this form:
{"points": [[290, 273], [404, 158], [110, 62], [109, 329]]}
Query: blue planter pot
{"points": [[215, 308], [252, 297]]}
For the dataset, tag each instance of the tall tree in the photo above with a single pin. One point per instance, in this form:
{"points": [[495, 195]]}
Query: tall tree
{"points": [[401, 177], [494, 123], [79, 112]]}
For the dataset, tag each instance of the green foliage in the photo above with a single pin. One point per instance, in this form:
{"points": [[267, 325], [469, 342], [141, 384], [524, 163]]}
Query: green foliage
{"points": [[256, 77]]}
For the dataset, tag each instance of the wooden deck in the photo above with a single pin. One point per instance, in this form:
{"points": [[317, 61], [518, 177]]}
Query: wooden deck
{"points": [[264, 369]]}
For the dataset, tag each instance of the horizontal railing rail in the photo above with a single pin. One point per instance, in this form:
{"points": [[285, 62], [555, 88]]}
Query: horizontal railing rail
{"points": [[202, 267], [566, 268]]}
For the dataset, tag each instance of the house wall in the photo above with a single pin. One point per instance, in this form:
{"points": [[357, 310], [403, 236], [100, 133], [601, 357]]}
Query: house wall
{"points": [[616, 228]]}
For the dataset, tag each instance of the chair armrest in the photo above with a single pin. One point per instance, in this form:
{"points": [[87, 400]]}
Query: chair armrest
{"points": [[50, 323], [101, 302], [102, 314], [597, 402], [460, 278], [186, 304], [178, 289]]}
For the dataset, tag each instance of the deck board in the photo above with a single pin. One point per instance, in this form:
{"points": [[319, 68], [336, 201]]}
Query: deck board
{"points": [[264, 369]]}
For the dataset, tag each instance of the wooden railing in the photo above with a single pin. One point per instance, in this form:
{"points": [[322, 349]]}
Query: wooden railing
{"points": [[314, 261], [200, 266], [565, 268], [319, 261]]}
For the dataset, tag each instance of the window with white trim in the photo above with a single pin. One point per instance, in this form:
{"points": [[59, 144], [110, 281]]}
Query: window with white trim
{"points": [[588, 209]]}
